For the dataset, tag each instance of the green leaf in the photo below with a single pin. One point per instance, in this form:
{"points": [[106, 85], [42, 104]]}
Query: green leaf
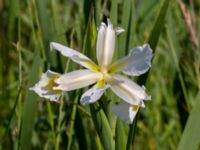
{"points": [[102, 126], [153, 40], [113, 12], [120, 136], [191, 134], [126, 19], [30, 106], [155, 33], [60, 33]]}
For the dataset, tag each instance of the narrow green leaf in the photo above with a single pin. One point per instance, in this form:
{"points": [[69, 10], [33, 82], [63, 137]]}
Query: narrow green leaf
{"points": [[153, 40], [97, 9], [45, 29], [132, 27], [71, 122], [155, 34], [120, 136], [60, 34], [30, 106], [191, 135], [113, 12], [126, 19], [102, 126]]}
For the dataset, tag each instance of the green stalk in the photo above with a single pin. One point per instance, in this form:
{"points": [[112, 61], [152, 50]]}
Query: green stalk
{"points": [[59, 126], [72, 121], [132, 130], [51, 122]]}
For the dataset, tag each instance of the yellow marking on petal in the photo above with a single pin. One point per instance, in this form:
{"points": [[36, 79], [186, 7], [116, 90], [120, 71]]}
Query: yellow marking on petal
{"points": [[101, 83], [135, 107], [115, 66], [90, 64], [52, 83]]}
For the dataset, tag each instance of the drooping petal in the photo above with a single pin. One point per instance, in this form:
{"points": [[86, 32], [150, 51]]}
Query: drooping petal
{"points": [[136, 63], [44, 88], [105, 44], [128, 90], [77, 79], [126, 111], [92, 95], [75, 56]]}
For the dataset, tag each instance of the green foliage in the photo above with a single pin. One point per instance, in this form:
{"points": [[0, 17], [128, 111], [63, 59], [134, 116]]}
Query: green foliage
{"points": [[169, 121]]}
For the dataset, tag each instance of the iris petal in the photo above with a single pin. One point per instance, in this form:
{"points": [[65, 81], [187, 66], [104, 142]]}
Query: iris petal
{"points": [[92, 95], [44, 88], [77, 79], [136, 63], [75, 56], [125, 111], [128, 90]]}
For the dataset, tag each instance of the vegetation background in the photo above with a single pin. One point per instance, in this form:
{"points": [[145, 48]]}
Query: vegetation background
{"points": [[170, 121]]}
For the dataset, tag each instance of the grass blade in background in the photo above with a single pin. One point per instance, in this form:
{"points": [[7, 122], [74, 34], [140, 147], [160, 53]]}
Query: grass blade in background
{"points": [[60, 34], [30, 105], [113, 12], [124, 37], [191, 136], [153, 40], [155, 34], [159, 24]]}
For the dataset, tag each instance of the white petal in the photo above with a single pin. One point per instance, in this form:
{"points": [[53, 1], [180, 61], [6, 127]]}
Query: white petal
{"points": [[100, 42], [75, 56], [125, 111], [77, 79], [105, 44], [128, 90], [92, 95], [136, 63], [44, 88]]}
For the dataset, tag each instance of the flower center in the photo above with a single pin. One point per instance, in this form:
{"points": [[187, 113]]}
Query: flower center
{"points": [[105, 77], [52, 83]]}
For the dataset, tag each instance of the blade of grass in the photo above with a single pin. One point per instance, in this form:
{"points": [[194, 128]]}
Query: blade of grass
{"points": [[60, 34], [122, 46], [72, 120], [155, 34], [191, 135], [113, 12], [30, 105], [121, 138], [174, 55], [153, 40]]}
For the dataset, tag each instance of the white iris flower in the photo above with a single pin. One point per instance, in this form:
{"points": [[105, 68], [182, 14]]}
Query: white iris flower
{"points": [[103, 76]]}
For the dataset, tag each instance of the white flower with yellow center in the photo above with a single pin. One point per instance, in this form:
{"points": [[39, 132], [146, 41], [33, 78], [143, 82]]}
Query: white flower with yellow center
{"points": [[104, 74]]}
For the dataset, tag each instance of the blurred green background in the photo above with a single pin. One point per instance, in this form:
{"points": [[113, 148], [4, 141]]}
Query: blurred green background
{"points": [[170, 121]]}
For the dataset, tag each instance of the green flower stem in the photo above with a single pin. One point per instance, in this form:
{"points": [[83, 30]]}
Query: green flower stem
{"points": [[59, 126], [51, 122], [131, 134], [71, 122]]}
